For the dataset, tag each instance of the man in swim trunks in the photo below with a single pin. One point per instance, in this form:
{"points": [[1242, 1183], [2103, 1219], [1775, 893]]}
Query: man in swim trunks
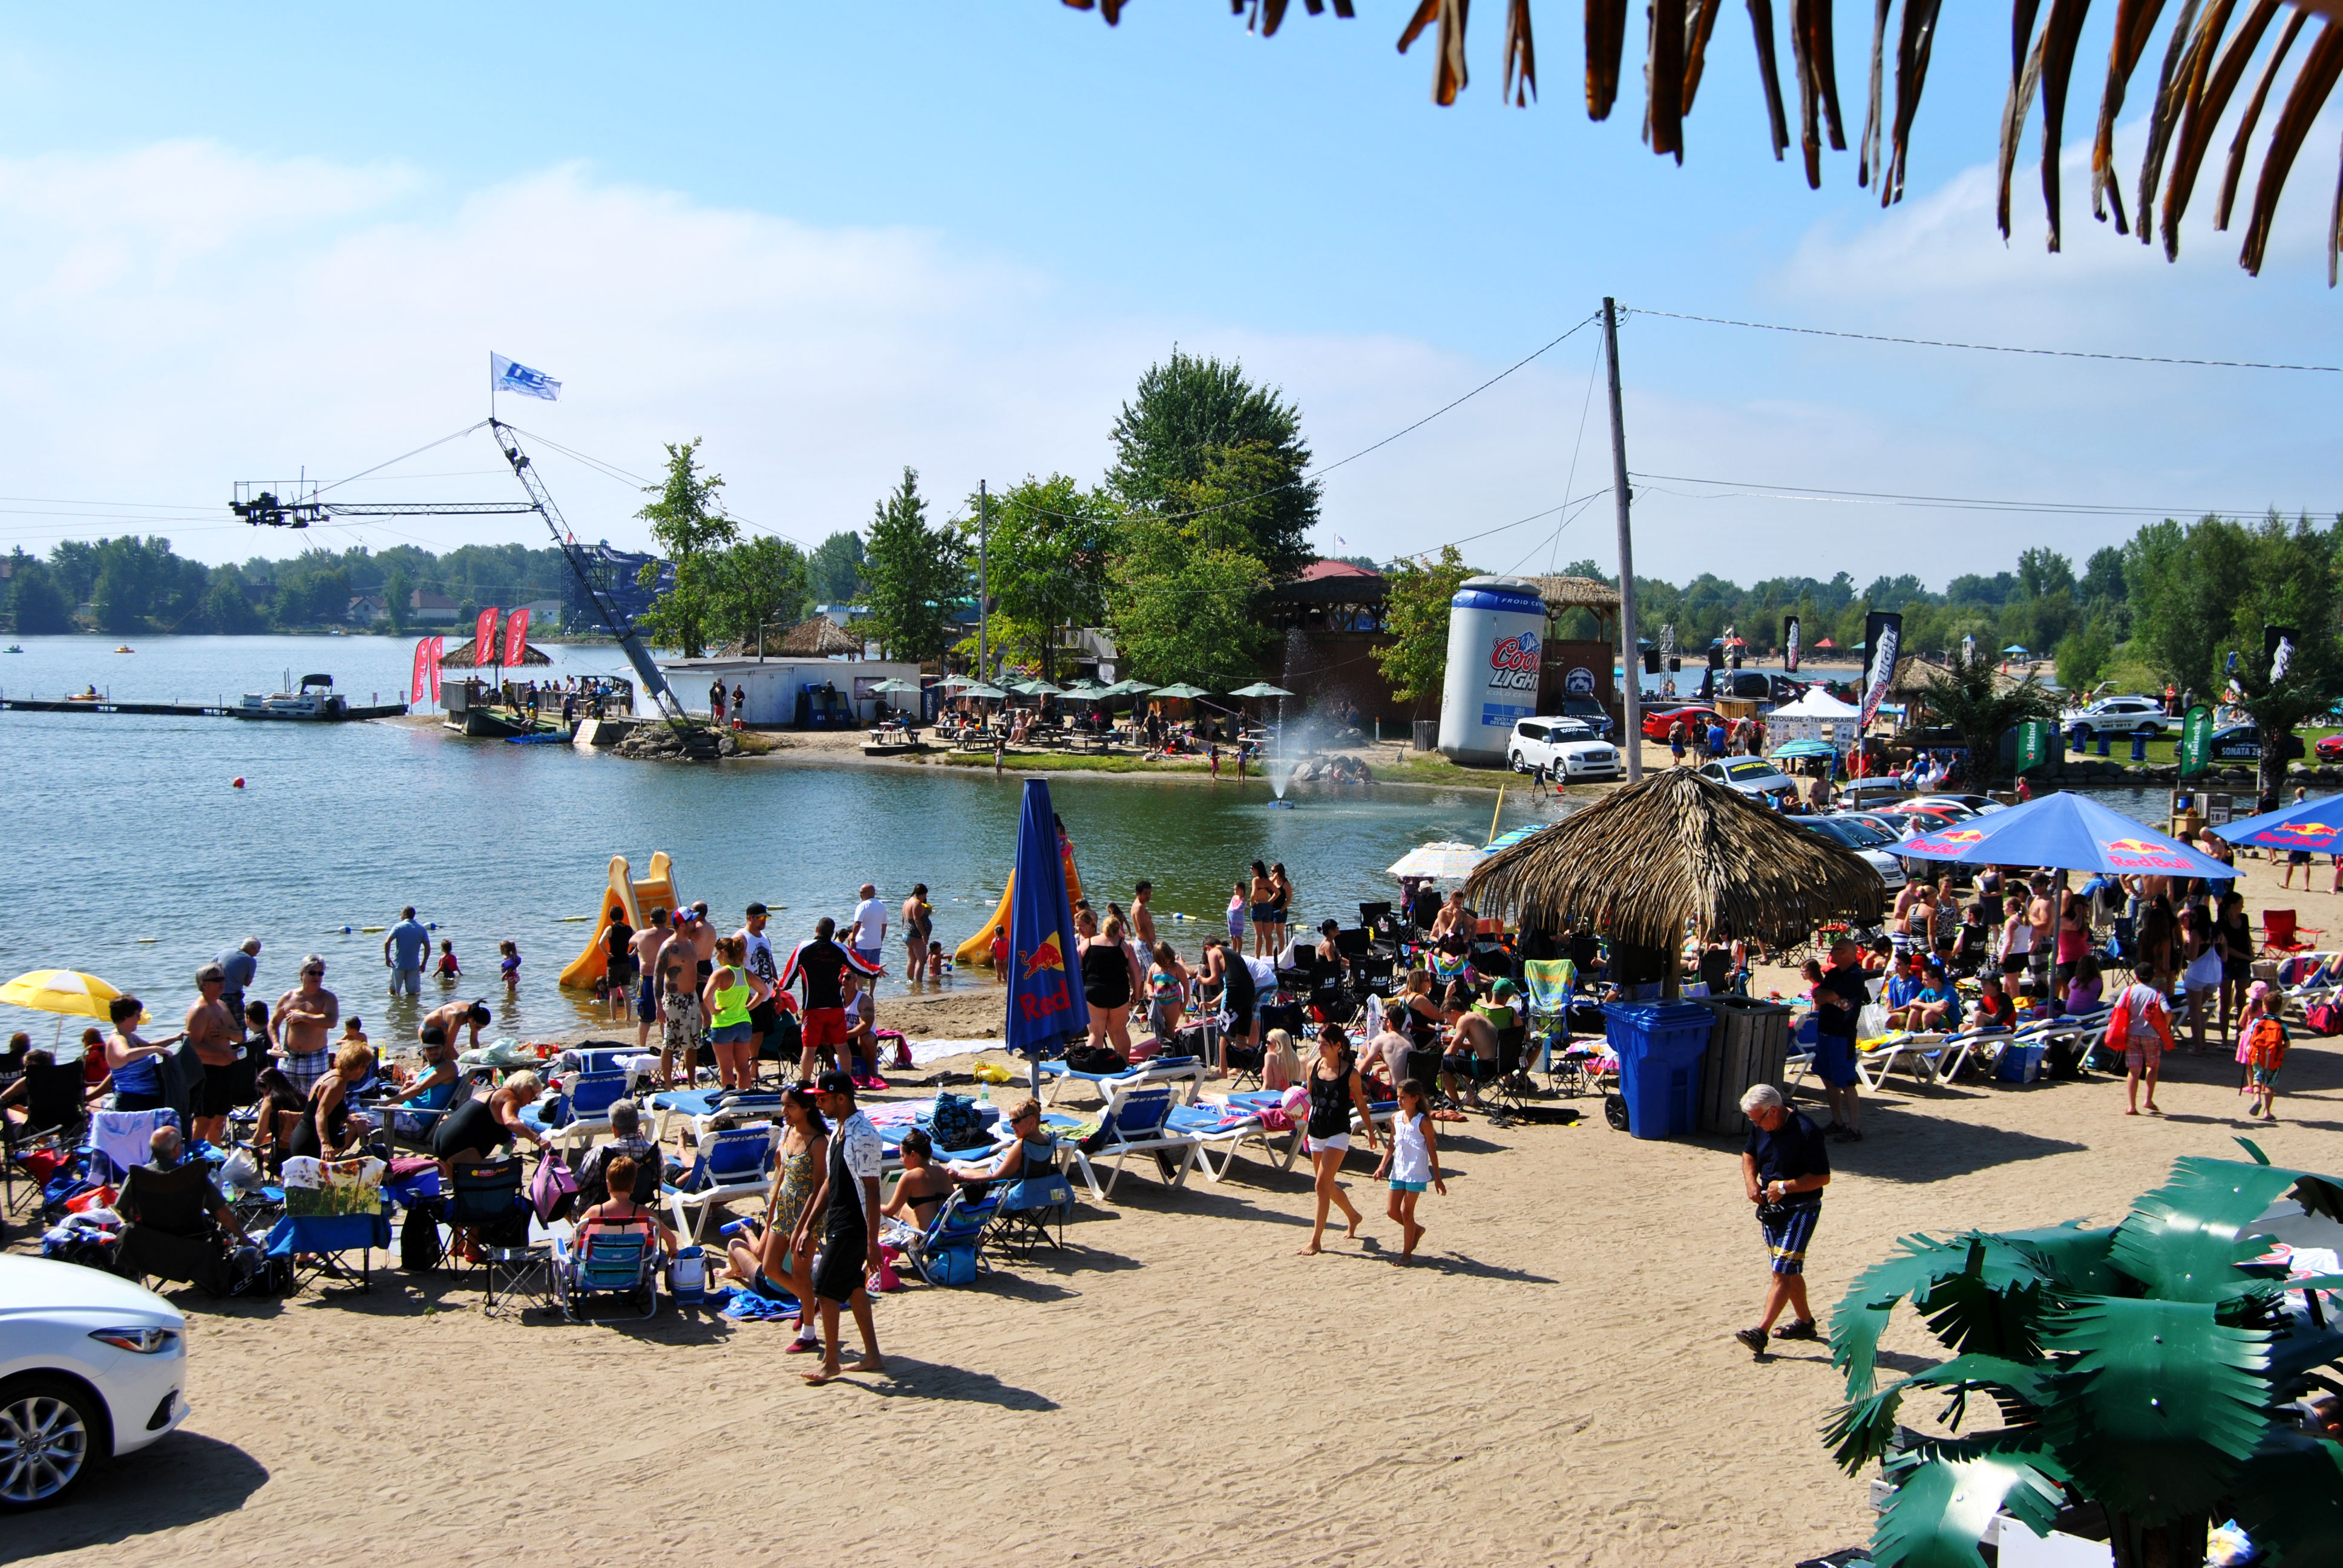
{"points": [[648, 943], [819, 966], [299, 1028], [217, 1034], [404, 950], [758, 947]]}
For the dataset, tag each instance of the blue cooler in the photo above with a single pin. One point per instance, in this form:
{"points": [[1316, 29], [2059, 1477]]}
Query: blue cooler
{"points": [[1659, 1045], [2018, 1064]]}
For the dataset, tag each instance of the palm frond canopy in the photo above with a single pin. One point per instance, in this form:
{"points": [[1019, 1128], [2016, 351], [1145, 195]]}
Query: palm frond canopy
{"points": [[819, 637], [1673, 848], [2203, 63]]}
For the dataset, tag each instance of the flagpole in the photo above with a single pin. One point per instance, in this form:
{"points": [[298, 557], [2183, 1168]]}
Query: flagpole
{"points": [[492, 385]]}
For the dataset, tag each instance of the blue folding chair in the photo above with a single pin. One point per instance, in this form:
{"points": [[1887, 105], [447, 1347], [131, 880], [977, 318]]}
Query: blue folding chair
{"points": [[605, 1262], [950, 1250]]}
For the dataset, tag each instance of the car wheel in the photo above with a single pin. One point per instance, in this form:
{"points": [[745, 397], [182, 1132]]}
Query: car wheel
{"points": [[1519, 765], [2148, 731], [47, 1430]]}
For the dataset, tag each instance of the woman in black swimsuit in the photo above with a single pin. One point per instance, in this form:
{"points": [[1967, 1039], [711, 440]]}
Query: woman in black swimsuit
{"points": [[1334, 1088], [324, 1131], [474, 1130], [1108, 983]]}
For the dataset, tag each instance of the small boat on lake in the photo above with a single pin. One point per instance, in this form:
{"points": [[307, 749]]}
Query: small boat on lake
{"points": [[314, 698]]}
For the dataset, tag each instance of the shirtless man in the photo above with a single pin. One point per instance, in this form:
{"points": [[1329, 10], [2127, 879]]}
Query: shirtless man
{"points": [[703, 942], [455, 1016], [2042, 914], [216, 1033], [647, 945], [300, 1028], [1142, 918]]}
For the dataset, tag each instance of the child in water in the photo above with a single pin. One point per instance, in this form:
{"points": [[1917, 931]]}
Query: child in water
{"points": [[936, 962], [1412, 1163], [510, 966], [449, 971]]}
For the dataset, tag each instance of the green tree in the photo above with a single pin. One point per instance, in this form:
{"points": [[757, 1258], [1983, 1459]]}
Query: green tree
{"points": [[76, 564], [2289, 582], [688, 524], [1415, 614], [1182, 611], [227, 608], [911, 574], [760, 591], [1982, 705], [2084, 655], [397, 591], [2186, 583], [36, 598], [1188, 410], [834, 569], [1046, 555]]}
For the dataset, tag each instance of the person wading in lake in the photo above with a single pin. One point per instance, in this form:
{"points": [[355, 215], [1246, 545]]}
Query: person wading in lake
{"points": [[404, 951], [918, 926]]}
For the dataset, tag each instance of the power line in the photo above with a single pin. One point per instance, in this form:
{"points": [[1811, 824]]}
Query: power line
{"points": [[1986, 348], [419, 451], [1751, 489]]}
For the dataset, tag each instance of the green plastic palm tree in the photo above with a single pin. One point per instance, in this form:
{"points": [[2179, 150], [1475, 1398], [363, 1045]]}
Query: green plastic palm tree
{"points": [[2143, 1367]]}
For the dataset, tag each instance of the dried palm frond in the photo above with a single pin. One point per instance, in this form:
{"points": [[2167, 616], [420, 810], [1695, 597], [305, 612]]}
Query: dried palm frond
{"points": [[1673, 848], [2198, 78]]}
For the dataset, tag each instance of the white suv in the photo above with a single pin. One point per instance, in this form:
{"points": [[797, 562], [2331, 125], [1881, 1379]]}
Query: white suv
{"points": [[1562, 749], [2119, 716]]}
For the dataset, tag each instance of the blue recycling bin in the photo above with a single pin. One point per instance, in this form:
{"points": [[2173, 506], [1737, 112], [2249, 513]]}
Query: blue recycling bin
{"points": [[1659, 1045]]}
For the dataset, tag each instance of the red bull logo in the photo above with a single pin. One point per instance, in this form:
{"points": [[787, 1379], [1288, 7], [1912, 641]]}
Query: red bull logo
{"points": [[1046, 955], [2142, 855], [2303, 829], [1960, 836]]}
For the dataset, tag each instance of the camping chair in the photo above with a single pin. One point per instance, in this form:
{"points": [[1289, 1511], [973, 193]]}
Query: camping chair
{"points": [[485, 1198], [342, 1213], [1383, 928], [734, 1163], [1024, 1210], [2280, 929], [1546, 985], [410, 1125], [606, 1262], [950, 1250], [172, 1233], [43, 1143], [1137, 1121], [582, 1110]]}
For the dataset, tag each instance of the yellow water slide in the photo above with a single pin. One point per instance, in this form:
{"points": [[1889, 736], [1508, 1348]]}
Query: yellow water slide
{"points": [[637, 899], [978, 948]]}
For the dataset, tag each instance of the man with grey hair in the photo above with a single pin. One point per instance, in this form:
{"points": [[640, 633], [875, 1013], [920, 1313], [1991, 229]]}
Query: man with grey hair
{"points": [[215, 1034], [299, 1026], [626, 1137], [1784, 1167]]}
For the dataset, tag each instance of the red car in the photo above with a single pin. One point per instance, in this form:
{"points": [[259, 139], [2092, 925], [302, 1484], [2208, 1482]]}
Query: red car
{"points": [[1657, 722], [2330, 749]]}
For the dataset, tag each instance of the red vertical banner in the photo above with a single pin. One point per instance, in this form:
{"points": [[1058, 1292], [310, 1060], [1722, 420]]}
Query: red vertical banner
{"points": [[516, 637], [422, 660], [438, 655], [484, 639]]}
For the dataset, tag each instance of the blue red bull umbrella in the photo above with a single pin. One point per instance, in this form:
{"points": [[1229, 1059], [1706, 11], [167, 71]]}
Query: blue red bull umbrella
{"points": [[1045, 999], [2305, 825], [2063, 832]]}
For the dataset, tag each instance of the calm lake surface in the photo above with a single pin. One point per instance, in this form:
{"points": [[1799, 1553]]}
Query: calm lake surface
{"points": [[134, 861]]}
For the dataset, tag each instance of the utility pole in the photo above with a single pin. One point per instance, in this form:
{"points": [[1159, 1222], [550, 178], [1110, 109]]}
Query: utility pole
{"points": [[1631, 660], [983, 595]]}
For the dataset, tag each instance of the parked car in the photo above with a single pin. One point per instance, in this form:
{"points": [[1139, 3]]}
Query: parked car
{"points": [[1750, 775], [2243, 743], [1562, 749], [1976, 805], [1657, 721], [1870, 794], [1590, 713], [92, 1367], [2120, 715], [1950, 805], [1874, 846], [1923, 819], [2329, 748]]}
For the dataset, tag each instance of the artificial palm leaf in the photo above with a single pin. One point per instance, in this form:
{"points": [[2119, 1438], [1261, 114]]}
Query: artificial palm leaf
{"points": [[2159, 1404], [1981, 1294], [2185, 1240], [2074, 1258], [2290, 1500], [1862, 1430], [2312, 85], [2205, 109], [1939, 1513]]}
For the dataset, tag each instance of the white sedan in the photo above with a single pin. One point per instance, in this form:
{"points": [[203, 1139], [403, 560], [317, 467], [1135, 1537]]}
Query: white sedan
{"points": [[1750, 775], [92, 1367]]}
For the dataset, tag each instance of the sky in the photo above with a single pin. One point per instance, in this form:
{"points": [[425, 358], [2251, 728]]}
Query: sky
{"points": [[835, 241]]}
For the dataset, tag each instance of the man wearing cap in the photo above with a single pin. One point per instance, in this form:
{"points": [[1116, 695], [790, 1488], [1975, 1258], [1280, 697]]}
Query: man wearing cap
{"points": [[647, 945], [763, 1020], [216, 1035], [848, 1202]]}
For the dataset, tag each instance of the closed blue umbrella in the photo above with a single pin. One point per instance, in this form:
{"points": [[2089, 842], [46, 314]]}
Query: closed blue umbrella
{"points": [[1045, 1000], [2316, 825], [2063, 832]]}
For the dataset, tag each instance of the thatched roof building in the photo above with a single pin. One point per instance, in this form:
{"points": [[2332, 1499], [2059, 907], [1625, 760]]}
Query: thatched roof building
{"points": [[819, 638], [460, 656], [1673, 848]]}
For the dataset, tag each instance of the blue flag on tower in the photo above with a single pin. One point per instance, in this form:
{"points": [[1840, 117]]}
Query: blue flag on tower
{"points": [[510, 376], [1045, 998]]}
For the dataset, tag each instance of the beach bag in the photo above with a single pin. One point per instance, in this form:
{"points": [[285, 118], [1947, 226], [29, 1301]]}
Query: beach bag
{"points": [[418, 1238], [955, 1123], [553, 1190], [952, 1266], [2323, 1018], [687, 1276], [1102, 1060]]}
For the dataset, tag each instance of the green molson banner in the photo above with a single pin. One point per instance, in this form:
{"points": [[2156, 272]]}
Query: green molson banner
{"points": [[2195, 748]]}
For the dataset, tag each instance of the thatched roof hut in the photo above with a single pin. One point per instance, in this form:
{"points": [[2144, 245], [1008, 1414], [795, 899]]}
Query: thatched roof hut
{"points": [[460, 656], [1673, 848], [819, 638]]}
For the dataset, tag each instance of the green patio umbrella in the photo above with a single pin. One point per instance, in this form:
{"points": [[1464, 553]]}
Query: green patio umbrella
{"points": [[1261, 688], [994, 692], [1040, 688], [1182, 690], [894, 685]]}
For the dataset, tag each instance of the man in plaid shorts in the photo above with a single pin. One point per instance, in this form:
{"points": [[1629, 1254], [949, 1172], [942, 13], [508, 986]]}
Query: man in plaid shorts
{"points": [[1783, 1170]]}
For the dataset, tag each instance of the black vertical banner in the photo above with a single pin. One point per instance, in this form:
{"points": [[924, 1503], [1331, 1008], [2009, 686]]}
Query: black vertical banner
{"points": [[1790, 643], [1882, 638]]}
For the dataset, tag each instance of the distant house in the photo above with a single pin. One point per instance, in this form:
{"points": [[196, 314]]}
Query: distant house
{"points": [[431, 608], [365, 609], [544, 614]]}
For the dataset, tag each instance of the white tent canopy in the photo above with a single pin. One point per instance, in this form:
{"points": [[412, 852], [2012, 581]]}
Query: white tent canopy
{"points": [[1816, 716], [1816, 704]]}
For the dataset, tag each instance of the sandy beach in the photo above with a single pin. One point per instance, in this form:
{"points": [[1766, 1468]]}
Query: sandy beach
{"points": [[1551, 1382]]}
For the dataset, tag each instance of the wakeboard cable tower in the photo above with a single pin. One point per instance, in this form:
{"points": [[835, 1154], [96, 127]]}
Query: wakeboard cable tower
{"points": [[265, 507]]}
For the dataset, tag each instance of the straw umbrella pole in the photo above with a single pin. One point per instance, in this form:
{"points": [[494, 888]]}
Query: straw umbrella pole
{"points": [[1676, 847]]}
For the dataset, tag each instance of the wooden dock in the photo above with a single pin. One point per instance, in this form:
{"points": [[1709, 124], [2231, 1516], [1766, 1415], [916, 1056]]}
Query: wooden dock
{"points": [[197, 710]]}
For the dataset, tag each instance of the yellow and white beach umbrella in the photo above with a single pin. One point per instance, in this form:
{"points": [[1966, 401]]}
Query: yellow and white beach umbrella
{"points": [[60, 990]]}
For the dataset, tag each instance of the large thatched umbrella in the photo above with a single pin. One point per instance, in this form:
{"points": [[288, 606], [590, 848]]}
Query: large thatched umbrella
{"points": [[1673, 848]]}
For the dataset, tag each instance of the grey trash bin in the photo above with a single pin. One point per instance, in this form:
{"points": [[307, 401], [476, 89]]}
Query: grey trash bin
{"points": [[1749, 1045], [1427, 734]]}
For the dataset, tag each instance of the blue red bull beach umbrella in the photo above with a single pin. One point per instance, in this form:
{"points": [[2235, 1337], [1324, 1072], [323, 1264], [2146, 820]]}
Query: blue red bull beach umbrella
{"points": [[1045, 993], [2063, 832], [2305, 825]]}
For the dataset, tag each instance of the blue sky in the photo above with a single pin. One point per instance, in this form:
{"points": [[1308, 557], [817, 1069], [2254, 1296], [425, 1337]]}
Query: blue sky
{"points": [[834, 240]]}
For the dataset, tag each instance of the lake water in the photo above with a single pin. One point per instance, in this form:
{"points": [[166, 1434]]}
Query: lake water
{"points": [[134, 861]]}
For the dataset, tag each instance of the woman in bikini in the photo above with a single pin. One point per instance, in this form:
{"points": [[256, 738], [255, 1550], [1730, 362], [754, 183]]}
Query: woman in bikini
{"points": [[1281, 903], [1263, 896]]}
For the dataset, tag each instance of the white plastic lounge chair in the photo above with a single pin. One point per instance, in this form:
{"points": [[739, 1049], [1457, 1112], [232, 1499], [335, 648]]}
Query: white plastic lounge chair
{"points": [[736, 1163], [1136, 1122], [1185, 1071]]}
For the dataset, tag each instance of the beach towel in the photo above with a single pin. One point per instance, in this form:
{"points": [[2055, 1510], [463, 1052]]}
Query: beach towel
{"points": [[746, 1306], [125, 1138]]}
